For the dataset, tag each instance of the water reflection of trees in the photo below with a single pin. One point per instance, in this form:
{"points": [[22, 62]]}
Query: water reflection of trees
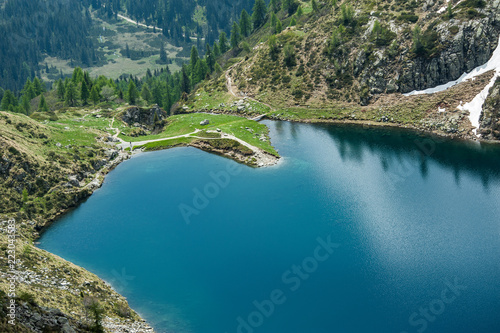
{"points": [[481, 160]]}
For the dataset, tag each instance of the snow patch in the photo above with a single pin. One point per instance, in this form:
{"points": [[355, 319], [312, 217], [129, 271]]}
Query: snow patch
{"points": [[492, 64], [475, 107]]}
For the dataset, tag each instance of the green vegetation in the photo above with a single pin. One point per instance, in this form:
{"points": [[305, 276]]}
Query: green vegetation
{"points": [[249, 131], [158, 145]]}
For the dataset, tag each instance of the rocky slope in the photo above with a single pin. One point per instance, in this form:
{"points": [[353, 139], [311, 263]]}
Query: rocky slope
{"points": [[40, 179], [490, 118]]}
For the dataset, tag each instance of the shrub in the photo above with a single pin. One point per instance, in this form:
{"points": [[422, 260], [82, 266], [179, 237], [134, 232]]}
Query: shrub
{"points": [[408, 17]]}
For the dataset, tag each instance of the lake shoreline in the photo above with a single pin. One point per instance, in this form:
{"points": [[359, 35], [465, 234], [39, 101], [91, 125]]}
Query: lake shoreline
{"points": [[84, 193]]}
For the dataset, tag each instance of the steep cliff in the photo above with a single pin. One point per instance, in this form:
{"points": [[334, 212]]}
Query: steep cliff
{"points": [[490, 118]]}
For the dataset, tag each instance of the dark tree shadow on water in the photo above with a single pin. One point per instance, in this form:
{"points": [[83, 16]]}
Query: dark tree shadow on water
{"points": [[480, 160]]}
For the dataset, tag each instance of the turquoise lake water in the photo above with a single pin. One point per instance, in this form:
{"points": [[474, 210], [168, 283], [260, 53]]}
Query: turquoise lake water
{"points": [[356, 230]]}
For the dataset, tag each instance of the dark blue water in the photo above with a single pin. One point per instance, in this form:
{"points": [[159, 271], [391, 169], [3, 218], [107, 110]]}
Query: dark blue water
{"points": [[357, 230]]}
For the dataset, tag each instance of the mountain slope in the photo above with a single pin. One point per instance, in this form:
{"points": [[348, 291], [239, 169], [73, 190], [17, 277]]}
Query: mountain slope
{"points": [[351, 61]]}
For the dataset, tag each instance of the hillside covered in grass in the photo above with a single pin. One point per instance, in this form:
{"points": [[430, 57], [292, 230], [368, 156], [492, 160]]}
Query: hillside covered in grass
{"points": [[354, 61]]}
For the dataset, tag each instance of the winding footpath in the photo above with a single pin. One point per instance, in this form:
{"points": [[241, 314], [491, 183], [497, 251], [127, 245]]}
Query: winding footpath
{"points": [[233, 90]]}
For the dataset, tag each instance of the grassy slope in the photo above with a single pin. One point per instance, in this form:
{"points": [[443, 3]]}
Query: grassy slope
{"points": [[32, 160]]}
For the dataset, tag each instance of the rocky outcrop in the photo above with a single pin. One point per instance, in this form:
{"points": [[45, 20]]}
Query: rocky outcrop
{"points": [[473, 46], [144, 117], [463, 45], [490, 117]]}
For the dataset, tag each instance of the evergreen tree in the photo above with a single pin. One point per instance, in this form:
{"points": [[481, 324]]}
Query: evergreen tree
{"points": [[274, 20], [8, 101], [157, 94], [293, 21], [314, 6], [43, 107], [94, 94], [60, 89], [26, 105], [27, 86], [218, 69], [71, 94], [146, 94], [245, 23], [37, 86], [127, 51], [278, 26], [259, 13], [77, 75], [200, 72], [185, 83], [449, 11], [223, 43], [289, 55], [132, 93], [274, 6], [194, 58], [290, 6], [273, 47], [300, 11], [163, 54], [84, 92], [210, 58], [216, 50], [418, 45], [167, 100], [235, 35]]}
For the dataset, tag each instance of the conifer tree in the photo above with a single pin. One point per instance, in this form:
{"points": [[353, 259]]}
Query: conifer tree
{"points": [[71, 95], [60, 89], [146, 94], [185, 83], [235, 35], [163, 54], [94, 94], [245, 23], [278, 26], [43, 107], [194, 58], [210, 59], [274, 20], [37, 86], [132, 93], [314, 5], [8, 101], [216, 50], [84, 92], [26, 105], [259, 13], [127, 51], [300, 11], [167, 100], [223, 43], [274, 6]]}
